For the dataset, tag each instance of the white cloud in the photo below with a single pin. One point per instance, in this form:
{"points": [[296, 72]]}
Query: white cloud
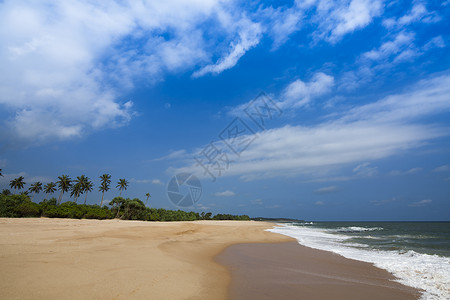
{"points": [[420, 203], [408, 172], [257, 202], [337, 19], [427, 97], [146, 181], [436, 42], [174, 155], [358, 14], [249, 35], [48, 73], [157, 181], [66, 64], [319, 203], [202, 206], [385, 201], [365, 170], [226, 193], [300, 93], [326, 190], [273, 206], [363, 134], [443, 168], [283, 22], [401, 43], [418, 13], [332, 19]]}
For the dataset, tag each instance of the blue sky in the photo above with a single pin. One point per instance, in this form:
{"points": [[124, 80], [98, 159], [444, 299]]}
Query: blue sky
{"points": [[359, 91]]}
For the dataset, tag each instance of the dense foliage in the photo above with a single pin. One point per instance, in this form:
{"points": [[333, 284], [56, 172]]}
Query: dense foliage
{"points": [[16, 206]]}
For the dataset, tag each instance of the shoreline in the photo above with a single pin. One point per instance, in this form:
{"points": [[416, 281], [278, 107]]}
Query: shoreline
{"points": [[292, 271], [65, 258]]}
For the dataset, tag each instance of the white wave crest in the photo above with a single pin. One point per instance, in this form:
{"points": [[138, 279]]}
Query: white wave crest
{"points": [[430, 273]]}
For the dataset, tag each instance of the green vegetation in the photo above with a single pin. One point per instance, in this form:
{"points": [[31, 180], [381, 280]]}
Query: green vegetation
{"points": [[122, 184], [104, 185], [50, 188], [64, 184], [18, 206], [17, 184], [35, 188]]}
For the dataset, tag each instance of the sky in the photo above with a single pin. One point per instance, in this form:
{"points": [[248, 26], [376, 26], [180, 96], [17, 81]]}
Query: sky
{"points": [[314, 110]]}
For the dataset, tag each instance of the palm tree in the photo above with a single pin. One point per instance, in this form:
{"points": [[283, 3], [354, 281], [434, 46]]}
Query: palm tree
{"points": [[78, 188], [76, 191], [35, 188], [49, 188], [6, 192], [122, 184], [17, 183], [64, 184], [1, 173], [87, 187], [148, 196], [104, 185]]}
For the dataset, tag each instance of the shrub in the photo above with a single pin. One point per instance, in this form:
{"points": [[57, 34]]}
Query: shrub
{"points": [[28, 209], [10, 203]]}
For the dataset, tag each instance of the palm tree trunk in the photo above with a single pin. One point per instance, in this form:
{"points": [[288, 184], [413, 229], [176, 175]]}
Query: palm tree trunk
{"points": [[101, 203], [60, 197], [120, 194], [85, 197]]}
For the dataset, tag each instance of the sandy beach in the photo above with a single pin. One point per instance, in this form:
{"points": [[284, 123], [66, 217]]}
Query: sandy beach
{"points": [[112, 259]]}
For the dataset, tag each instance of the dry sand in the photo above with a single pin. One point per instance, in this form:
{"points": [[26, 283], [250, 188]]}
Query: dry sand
{"points": [[111, 259]]}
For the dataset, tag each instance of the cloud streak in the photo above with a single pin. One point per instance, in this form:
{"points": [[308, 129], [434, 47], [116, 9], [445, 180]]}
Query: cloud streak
{"points": [[363, 134], [421, 203], [226, 193], [326, 190]]}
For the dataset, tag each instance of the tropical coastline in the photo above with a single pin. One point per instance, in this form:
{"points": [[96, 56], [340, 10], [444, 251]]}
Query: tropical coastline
{"points": [[116, 259]]}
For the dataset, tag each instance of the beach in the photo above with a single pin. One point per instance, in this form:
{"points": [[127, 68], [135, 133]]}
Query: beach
{"points": [[113, 259]]}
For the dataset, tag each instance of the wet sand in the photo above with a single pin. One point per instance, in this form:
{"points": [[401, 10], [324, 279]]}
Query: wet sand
{"points": [[291, 271]]}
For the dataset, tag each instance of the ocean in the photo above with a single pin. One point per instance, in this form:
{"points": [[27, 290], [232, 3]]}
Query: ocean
{"points": [[417, 253]]}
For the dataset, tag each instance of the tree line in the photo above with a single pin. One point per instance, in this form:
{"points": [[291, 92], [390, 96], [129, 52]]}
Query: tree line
{"points": [[81, 185], [21, 205]]}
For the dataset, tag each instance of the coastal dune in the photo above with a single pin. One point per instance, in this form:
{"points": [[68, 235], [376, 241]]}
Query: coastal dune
{"points": [[112, 259]]}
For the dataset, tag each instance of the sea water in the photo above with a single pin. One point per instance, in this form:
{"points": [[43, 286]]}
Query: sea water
{"points": [[417, 253]]}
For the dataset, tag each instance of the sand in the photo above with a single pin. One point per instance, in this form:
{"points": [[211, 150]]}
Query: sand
{"points": [[112, 259], [291, 271]]}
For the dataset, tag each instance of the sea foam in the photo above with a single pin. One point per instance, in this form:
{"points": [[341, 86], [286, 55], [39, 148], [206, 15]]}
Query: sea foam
{"points": [[430, 273]]}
